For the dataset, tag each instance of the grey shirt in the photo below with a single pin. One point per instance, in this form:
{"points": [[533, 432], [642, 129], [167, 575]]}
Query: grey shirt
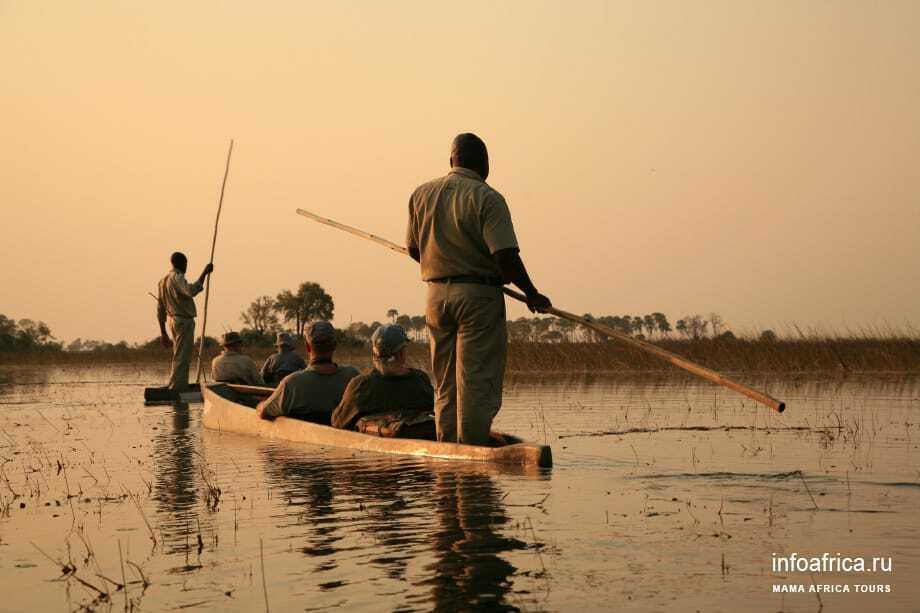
{"points": [[285, 362], [309, 393]]}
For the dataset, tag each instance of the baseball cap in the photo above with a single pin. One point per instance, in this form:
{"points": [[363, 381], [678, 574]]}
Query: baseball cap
{"points": [[388, 339]]}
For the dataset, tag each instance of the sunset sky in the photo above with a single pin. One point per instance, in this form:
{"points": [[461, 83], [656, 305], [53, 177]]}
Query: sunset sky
{"points": [[758, 159]]}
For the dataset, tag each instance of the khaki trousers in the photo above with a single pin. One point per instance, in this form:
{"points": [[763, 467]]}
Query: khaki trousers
{"points": [[183, 333], [469, 344]]}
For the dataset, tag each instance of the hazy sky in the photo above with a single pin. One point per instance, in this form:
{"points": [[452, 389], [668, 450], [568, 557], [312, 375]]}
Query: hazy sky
{"points": [[758, 159]]}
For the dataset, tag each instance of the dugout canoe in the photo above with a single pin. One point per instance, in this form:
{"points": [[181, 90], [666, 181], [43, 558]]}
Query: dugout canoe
{"points": [[164, 395], [222, 412]]}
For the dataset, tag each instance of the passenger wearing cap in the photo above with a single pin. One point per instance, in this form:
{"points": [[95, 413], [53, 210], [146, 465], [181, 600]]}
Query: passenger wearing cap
{"points": [[461, 234], [313, 393], [234, 366], [392, 399], [279, 365]]}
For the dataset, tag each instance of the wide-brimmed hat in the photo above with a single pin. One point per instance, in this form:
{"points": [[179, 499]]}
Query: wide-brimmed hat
{"points": [[320, 333], [388, 339], [232, 338], [283, 339]]}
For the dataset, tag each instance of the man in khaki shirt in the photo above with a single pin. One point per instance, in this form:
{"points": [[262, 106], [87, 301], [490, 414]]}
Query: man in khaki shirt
{"points": [[234, 366], [176, 302], [460, 231]]}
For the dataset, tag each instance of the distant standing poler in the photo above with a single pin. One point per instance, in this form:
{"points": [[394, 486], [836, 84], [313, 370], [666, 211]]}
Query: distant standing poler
{"points": [[460, 232], [175, 300], [279, 365]]}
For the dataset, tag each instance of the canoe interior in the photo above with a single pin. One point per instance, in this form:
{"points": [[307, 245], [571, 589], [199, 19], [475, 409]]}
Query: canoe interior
{"points": [[229, 408]]}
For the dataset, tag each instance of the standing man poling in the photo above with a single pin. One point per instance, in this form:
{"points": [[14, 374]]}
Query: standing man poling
{"points": [[460, 231], [175, 301]]}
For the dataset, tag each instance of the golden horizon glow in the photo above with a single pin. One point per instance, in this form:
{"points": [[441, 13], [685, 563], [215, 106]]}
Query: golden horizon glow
{"points": [[753, 159]]}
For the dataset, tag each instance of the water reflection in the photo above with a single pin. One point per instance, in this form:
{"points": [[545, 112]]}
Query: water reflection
{"points": [[175, 485], [468, 567], [381, 514]]}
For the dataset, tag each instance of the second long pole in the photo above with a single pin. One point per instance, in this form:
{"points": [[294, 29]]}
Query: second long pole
{"points": [[207, 283]]}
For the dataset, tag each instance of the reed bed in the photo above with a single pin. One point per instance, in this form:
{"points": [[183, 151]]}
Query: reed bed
{"points": [[803, 355]]}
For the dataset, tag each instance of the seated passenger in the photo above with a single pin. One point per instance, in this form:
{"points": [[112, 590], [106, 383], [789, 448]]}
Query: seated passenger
{"points": [[392, 399], [233, 366], [281, 364], [311, 394]]}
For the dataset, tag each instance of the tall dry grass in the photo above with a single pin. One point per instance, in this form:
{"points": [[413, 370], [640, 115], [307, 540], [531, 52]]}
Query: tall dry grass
{"points": [[898, 354]]}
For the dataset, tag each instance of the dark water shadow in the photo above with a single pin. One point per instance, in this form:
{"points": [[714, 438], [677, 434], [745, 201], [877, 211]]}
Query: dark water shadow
{"points": [[383, 513], [175, 487]]}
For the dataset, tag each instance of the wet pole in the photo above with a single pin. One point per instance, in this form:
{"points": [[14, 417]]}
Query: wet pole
{"points": [[697, 369], [207, 283]]}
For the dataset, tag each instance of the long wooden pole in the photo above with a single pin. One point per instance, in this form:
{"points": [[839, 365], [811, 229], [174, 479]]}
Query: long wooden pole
{"points": [[207, 283], [664, 354]]}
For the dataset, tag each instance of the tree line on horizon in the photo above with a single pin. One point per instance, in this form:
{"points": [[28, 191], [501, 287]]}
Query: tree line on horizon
{"points": [[26, 335], [292, 310]]}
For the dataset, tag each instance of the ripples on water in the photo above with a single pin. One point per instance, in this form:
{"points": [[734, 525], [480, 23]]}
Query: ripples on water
{"points": [[666, 494]]}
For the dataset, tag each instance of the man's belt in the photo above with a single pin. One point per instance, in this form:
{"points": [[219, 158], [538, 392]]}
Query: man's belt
{"points": [[493, 281]]}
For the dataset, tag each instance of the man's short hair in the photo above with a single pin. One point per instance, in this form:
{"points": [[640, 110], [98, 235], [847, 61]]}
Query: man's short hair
{"points": [[178, 259], [468, 151]]}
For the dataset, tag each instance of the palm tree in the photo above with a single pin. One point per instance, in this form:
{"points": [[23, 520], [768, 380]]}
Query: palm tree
{"points": [[393, 314], [420, 325], [662, 323], [648, 323]]}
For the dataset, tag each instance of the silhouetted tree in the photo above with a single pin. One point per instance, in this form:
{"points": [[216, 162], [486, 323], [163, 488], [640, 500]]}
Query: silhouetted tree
{"points": [[696, 326], [662, 323], [682, 328], [311, 302], [717, 324], [261, 315], [420, 325]]}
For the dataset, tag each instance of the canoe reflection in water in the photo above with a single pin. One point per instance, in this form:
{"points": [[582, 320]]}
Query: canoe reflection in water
{"points": [[434, 525]]}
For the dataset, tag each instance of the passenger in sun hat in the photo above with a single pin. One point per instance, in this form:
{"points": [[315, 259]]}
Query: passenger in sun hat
{"points": [[234, 366]]}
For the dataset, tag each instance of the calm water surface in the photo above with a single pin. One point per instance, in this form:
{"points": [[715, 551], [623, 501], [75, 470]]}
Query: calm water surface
{"points": [[666, 495]]}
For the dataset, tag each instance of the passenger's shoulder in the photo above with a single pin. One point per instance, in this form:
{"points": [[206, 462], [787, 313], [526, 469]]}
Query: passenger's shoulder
{"points": [[295, 377], [420, 374], [349, 371], [358, 381]]}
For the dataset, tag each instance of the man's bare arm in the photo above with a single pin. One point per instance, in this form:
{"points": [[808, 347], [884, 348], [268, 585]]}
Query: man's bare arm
{"points": [[513, 271], [161, 319], [260, 410]]}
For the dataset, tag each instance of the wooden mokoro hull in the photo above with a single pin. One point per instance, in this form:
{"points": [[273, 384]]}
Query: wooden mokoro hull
{"points": [[164, 395], [221, 413]]}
